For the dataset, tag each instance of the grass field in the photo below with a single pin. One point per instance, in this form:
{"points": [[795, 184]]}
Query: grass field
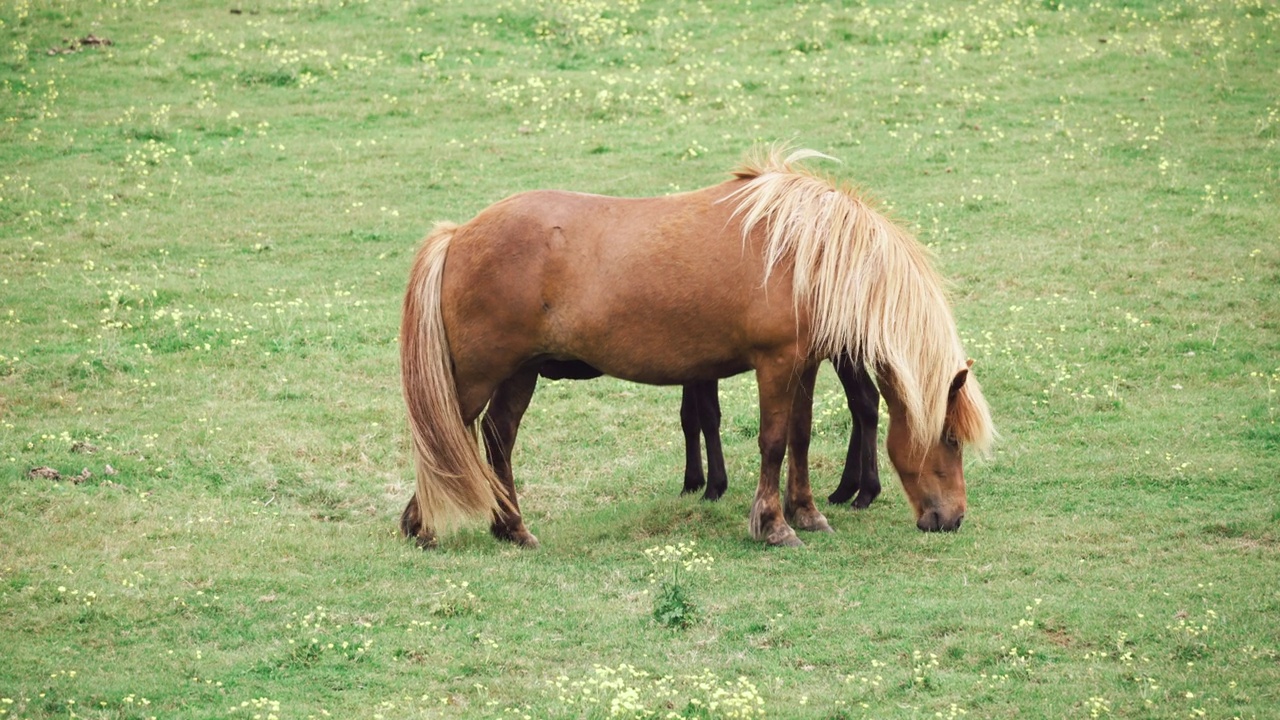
{"points": [[207, 212]]}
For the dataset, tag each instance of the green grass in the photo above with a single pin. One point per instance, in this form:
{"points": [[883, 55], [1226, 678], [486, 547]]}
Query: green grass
{"points": [[205, 228]]}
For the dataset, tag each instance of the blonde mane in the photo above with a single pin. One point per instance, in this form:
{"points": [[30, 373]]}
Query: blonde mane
{"points": [[869, 288]]}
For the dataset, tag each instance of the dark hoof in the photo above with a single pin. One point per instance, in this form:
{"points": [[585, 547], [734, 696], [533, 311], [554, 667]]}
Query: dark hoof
{"points": [[864, 499], [692, 484], [411, 526], [713, 493], [410, 519], [840, 496]]}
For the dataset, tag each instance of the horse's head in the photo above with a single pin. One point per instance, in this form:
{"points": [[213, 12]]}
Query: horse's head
{"points": [[932, 471]]}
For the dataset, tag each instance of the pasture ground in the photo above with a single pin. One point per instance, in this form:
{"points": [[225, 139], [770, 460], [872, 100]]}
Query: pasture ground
{"points": [[207, 210]]}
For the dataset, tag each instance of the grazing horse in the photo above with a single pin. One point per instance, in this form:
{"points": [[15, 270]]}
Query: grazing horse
{"points": [[771, 271]]}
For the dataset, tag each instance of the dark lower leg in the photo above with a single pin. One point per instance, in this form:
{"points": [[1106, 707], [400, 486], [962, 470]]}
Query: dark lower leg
{"points": [[689, 425], [499, 427], [709, 422], [861, 475], [411, 525]]}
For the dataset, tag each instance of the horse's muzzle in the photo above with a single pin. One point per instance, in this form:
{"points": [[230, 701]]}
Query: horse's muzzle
{"points": [[932, 521]]}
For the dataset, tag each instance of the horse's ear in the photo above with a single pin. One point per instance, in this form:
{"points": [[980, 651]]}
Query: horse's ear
{"points": [[968, 363], [958, 382]]}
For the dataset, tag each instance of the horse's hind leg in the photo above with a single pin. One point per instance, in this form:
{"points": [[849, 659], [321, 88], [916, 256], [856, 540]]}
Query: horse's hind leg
{"points": [[411, 525], [472, 397], [690, 425], [861, 475], [500, 425], [800, 510]]}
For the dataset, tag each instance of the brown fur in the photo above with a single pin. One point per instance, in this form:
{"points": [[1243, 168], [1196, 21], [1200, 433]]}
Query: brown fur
{"points": [[771, 271]]}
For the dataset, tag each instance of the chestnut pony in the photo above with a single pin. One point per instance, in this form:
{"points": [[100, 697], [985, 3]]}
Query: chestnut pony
{"points": [[771, 271]]}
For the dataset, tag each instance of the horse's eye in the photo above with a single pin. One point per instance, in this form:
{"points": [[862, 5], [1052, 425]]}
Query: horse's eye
{"points": [[950, 439]]}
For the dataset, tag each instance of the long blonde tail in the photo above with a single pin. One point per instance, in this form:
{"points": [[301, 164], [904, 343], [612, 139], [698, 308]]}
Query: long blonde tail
{"points": [[455, 484]]}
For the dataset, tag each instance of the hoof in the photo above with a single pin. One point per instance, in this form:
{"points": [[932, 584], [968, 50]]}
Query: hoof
{"points": [[525, 539], [410, 519], [411, 527], [717, 486], [785, 537], [810, 520], [519, 536], [865, 498], [840, 496], [767, 524], [819, 524]]}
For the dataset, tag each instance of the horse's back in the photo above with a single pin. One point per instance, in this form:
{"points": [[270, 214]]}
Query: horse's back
{"points": [[590, 277]]}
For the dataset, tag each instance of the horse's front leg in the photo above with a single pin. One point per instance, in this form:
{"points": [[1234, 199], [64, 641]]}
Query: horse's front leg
{"points": [[861, 474], [800, 510], [777, 384], [709, 421], [690, 425], [700, 417]]}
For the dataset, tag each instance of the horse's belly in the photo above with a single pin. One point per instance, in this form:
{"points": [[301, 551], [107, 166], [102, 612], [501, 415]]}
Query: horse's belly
{"points": [[660, 343], [672, 320], [674, 373]]}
